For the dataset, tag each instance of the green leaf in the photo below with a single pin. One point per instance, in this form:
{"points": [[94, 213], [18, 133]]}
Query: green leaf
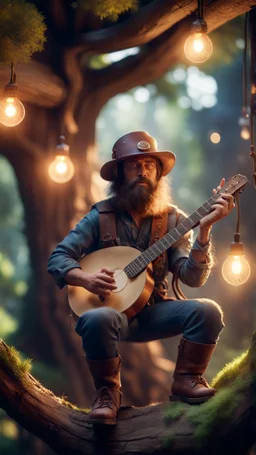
{"points": [[22, 31], [109, 9]]}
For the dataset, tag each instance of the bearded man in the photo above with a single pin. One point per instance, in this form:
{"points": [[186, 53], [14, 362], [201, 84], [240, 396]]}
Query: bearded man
{"points": [[139, 195]]}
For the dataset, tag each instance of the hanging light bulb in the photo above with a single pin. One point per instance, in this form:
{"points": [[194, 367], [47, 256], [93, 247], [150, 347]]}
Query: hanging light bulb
{"points": [[61, 170], [12, 111], [244, 122], [198, 46], [245, 133], [236, 270]]}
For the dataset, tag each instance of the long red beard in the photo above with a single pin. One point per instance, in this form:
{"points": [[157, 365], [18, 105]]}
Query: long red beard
{"points": [[144, 200]]}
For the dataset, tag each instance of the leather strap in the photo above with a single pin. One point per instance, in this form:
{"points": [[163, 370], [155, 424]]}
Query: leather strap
{"points": [[159, 227], [175, 279], [108, 234]]}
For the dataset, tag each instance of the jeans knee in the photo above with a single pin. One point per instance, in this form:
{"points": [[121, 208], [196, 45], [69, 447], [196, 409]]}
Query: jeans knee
{"points": [[212, 313], [97, 321], [208, 313], [204, 322]]}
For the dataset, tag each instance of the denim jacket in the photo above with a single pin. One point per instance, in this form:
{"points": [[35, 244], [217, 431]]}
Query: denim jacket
{"points": [[84, 239]]}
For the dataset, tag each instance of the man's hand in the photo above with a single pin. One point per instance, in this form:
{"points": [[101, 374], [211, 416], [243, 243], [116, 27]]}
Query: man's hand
{"points": [[100, 283], [222, 207]]}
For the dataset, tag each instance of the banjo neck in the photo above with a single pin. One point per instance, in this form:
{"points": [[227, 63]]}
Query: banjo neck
{"points": [[141, 262]]}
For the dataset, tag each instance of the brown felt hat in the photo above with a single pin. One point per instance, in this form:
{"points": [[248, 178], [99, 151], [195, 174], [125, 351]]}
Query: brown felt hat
{"points": [[138, 143]]}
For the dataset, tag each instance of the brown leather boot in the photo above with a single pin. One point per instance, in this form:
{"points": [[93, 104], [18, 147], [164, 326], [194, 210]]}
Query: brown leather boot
{"points": [[189, 385], [107, 398]]}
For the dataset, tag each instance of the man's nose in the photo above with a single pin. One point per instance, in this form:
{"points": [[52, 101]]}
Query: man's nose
{"points": [[142, 172]]}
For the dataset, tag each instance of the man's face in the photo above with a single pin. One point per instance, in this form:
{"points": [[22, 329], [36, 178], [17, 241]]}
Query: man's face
{"points": [[139, 187], [140, 182], [142, 171]]}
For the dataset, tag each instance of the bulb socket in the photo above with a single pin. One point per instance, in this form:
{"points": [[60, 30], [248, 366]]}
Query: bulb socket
{"points": [[244, 120], [199, 26], [11, 90], [236, 249], [62, 149]]}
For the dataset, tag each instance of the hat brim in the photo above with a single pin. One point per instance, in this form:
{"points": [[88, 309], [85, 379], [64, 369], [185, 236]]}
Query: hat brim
{"points": [[109, 170]]}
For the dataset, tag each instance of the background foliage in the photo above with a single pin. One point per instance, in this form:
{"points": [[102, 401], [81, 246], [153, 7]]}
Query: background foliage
{"points": [[22, 31], [109, 9]]}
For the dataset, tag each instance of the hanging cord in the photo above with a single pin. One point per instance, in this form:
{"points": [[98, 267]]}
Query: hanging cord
{"points": [[200, 9], [245, 76], [237, 214], [253, 90], [13, 75]]}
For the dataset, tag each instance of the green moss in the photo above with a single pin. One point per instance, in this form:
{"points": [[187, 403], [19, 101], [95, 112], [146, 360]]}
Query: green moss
{"points": [[216, 412], [20, 368], [168, 442], [72, 406], [232, 382], [11, 358], [175, 410], [208, 417], [231, 370]]}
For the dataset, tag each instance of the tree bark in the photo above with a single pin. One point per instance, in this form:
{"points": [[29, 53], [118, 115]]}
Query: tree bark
{"points": [[141, 28], [144, 430], [37, 84], [156, 18], [160, 54]]}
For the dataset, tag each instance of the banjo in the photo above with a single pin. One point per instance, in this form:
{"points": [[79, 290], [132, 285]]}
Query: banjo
{"points": [[133, 269]]}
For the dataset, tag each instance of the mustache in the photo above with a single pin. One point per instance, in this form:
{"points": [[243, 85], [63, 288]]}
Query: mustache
{"points": [[140, 180]]}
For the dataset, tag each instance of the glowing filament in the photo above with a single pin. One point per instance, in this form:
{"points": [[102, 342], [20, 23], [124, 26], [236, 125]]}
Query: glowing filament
{"points": [[10, 109], [198, 44], [236, 265]]}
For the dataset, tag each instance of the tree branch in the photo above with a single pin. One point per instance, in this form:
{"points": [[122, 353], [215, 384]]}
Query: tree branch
{"points": [[142, 27], [58, 14], [158, 56], [148, 23], [76, 80], [225, 424], [37, 84]]}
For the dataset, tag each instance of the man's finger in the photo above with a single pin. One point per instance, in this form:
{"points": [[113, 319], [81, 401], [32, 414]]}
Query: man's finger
{"points": [[107, 271], [229, 199], [105, 285], [105, 278]]}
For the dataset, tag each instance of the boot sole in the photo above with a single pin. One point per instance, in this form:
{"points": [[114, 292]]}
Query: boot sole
{"points": [[102, 422], [189, 400]]}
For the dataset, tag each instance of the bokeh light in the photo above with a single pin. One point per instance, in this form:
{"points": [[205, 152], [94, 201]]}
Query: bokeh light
{"points": [[215, 138]]}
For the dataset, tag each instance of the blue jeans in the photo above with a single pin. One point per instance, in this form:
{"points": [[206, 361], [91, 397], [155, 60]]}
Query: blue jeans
{"points": [[199, 320]]}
